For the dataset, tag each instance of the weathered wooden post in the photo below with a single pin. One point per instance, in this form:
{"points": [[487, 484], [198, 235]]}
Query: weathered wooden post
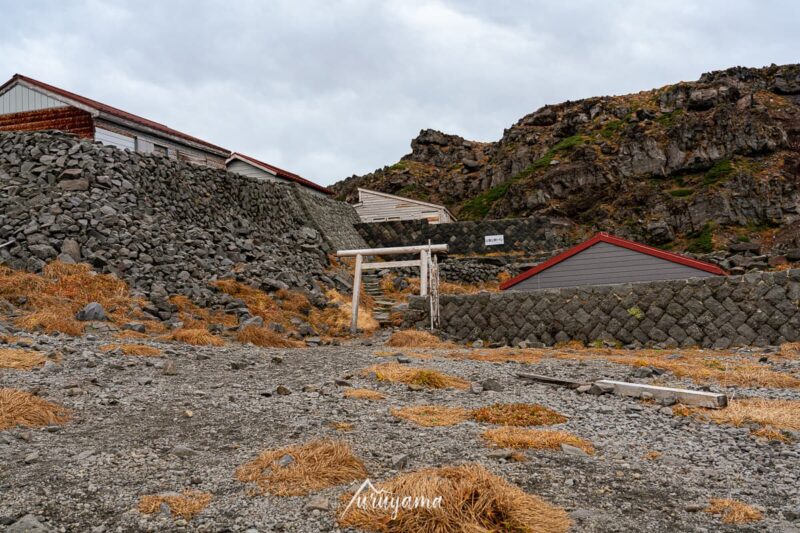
{"points": [[356, 294], [423, 273]]}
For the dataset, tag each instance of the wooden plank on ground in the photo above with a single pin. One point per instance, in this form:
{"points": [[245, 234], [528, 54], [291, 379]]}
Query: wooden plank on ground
{"points": [[550, 380], [695, 398]]}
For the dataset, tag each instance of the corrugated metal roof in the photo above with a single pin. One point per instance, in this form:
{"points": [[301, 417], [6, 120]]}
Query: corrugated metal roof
{"points": [[617, 241]]}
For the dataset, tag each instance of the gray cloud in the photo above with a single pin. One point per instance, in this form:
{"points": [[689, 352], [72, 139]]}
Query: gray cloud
{"points": [[332, 88]]}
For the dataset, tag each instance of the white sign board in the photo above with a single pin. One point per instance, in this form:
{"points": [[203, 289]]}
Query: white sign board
{"points": [[493, 240]]}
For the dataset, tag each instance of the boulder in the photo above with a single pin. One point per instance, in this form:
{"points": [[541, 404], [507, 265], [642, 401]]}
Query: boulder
{"points": [[92, 312]]}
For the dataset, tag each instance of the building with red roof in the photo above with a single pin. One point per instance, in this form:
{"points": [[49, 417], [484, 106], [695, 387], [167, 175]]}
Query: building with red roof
{"points": [[27, 104], [249, 166], [605, 259]]}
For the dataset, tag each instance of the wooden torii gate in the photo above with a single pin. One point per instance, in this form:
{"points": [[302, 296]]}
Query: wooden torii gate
{"points": [[425, 263]]}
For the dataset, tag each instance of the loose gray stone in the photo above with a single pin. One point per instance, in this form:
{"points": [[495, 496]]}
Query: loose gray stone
{"points": [[27, 524], [92, 312]]}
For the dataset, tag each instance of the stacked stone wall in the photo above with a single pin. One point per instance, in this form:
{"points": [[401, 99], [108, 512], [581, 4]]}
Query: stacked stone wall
{"points": [[758, 308]]}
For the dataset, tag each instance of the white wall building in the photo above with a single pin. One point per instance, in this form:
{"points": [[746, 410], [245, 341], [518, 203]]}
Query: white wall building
{"points": [[374, 206]]}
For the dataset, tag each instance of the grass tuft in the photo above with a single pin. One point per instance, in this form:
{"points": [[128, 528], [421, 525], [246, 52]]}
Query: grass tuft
{"points": [[24, 409], [185, 505], [516, 437], [412, 338], [132, 349], [472, 499], [518, 414], [432, 379], [432, 415], [775, 414], [363, 394], [195, 337], [62, 290], [314, 466], [733, 511], [20, 359], [51, 320], [265, 337]]}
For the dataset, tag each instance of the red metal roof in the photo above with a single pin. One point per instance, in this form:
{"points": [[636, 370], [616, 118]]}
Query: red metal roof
{"points": [[280, 172], [617, 241], [113, 111]]}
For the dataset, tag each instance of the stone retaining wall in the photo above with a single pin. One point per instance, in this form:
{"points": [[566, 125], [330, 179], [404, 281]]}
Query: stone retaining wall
{"points": [[758, 308], [335, 220], [526, 235], [159, 223]]}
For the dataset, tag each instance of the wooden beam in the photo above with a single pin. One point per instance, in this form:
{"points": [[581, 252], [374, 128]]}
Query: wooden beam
{"points": [[550, 380], [711, 400], [356, 295], [397, 250], [389, 264]]}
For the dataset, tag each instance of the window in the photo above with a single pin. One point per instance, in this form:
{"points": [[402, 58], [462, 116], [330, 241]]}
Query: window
{"points": [[111, 138]]}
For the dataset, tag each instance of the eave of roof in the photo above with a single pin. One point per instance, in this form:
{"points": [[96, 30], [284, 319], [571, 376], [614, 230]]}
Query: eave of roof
{"points": [[113, 112], [617, 241], [278, 171], [403, 198]]}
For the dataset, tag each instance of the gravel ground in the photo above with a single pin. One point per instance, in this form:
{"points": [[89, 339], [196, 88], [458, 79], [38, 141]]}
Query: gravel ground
{"points": [[130, 436]]}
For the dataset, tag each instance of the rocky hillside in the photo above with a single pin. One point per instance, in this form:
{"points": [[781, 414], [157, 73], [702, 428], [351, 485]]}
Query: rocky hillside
{"points": [[691, 165]]}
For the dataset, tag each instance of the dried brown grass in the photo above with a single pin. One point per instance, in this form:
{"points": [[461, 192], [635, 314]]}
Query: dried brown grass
{"points": [[363, 394], [445, 287], [412, 338], [473, 500], [518, 414], [335, 319], [702, 366], [499, 355], [775, 414], [24, 409], [423, 377], [195, 317], [195, 337], [407, 353], [265, 337], [771, 434], [517, 437], [652, 455], [341, 426], [286, 305], [128, 334], [315, 465], [62, 290], [733, 511], [20, 359], [132, 349], [433, 415], [185, 505]]}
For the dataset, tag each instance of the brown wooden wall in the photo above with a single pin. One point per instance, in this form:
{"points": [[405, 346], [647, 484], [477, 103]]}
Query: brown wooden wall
{"points": [[66, 119]]}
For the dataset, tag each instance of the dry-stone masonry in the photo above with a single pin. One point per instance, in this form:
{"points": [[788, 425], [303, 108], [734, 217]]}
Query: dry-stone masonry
{"points": [[758, 308], [526, 235], [335, 220], [163, 225]]}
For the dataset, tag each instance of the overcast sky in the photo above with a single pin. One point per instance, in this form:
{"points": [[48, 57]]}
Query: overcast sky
{"points": [[332, 88]]}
